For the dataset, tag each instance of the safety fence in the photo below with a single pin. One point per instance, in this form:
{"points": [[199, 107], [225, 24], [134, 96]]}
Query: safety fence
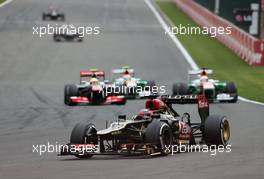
{"points": [[240, 42]]}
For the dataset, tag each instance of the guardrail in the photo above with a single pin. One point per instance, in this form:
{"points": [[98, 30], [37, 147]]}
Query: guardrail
{"points": [[240, 42]]}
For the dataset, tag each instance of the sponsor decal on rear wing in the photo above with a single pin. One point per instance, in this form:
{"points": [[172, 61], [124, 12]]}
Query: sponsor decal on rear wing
{"points": [[201, 100], [180, 99], [91, 73], [197, 72], [122, 71]]}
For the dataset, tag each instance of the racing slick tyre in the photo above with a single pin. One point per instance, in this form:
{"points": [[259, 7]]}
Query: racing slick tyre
{"points": [[62, 17], [79, 39], [179, 89], [84, 133], [56, 38], [216, 130], [69, 91], [44, 16], [160, 134], [232, 89]]}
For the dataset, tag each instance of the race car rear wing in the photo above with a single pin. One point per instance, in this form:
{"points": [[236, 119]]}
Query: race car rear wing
{"points": [[122, 71], [179, 99], [197, 72], [92, 73], [201, 100]]}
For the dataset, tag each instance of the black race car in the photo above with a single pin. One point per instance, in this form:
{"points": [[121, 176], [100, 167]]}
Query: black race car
{"points": [[53, 14], [151, 132], [65, 36]]}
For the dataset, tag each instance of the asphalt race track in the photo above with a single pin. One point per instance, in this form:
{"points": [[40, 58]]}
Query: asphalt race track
{"points": [[34, 70]]}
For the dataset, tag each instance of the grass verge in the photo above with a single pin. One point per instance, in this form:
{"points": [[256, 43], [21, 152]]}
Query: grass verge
{"points": [[1, 1], [208, 52]]}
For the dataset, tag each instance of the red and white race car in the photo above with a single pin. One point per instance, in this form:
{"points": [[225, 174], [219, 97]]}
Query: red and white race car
{"points": [[91, 90]]}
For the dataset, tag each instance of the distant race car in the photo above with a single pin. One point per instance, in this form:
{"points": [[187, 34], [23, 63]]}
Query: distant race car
{"points": [[90, 90], [200, 83], [131, 86], [53, 14], [150, 132], [67, 36]]}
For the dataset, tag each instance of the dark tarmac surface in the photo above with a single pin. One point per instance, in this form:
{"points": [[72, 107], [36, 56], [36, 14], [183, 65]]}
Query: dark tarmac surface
{"points": [[33, 72]]}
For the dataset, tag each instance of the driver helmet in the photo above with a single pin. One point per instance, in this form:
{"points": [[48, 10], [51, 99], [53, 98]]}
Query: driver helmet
{"points": [[94, 81], [155, 104], [127, 77], [51, 7], [203, 73], [204, 78]]}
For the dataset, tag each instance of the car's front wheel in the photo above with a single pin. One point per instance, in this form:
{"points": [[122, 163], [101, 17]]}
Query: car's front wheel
{"points": [[69, 91], [216, 130], [159, 133], [57, 38], [232, 90], [84, 133]]}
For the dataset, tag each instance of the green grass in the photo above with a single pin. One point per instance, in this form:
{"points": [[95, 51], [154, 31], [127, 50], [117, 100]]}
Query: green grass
{"points": [[2, 1], [208, 52]]}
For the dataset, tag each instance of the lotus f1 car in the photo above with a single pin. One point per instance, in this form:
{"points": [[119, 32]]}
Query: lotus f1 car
{"points": [[151, 131], [200, 83], [127, 84], [53, 14], [90, 90]]}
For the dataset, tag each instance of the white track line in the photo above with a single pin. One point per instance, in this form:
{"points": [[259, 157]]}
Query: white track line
{"points": [[249, 101], [184, 52], [5, 3], [186, 55]]}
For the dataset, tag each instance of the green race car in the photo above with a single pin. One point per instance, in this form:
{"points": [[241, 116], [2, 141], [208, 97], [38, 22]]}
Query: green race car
{"points": [[200, 83], [130, 86]]}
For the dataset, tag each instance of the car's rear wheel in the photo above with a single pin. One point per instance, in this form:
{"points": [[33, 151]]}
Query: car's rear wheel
{"points": [[160, 134], [180, 89], [69, 91], [43, 16], [62, 17], [84, 133], [232, 89], [79, 39], [57, 38], [216, 130]]}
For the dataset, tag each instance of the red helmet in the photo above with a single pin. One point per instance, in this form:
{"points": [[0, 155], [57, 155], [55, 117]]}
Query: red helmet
{"points": [[148, 104], [155, 104]]}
